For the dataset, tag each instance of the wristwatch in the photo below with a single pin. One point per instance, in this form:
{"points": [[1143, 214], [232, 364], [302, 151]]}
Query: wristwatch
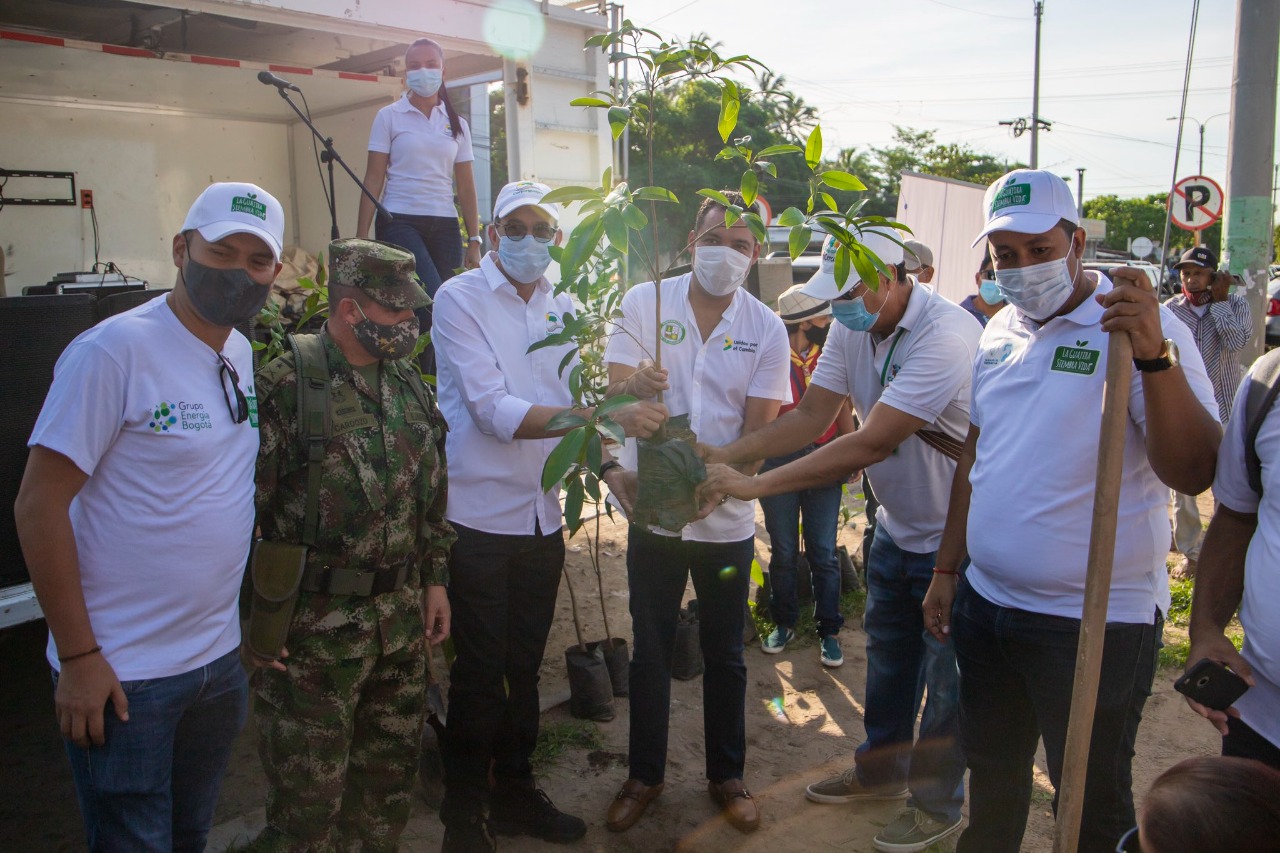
{"points": [[475, 239], [1168, 358]]}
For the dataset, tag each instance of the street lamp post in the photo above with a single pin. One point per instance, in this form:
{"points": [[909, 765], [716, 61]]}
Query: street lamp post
{"points": [[1200, 125]]}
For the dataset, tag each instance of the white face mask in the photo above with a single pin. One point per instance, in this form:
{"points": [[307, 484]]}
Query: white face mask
{"points": [[719, 269], [1038, 291]]}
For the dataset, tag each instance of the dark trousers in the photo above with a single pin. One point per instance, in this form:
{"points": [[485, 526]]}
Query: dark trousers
{"points": [[1241, 741], [1016, 673], [658, 570], [435, 241], [502, 591]]}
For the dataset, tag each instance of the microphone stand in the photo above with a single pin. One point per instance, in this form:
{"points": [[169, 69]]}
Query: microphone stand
{"points": [[331, 156]]}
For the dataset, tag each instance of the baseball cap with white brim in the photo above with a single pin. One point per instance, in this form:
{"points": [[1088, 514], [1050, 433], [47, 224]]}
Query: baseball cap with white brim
{"points": [[235, 208], [524, 194], [822, 285], [796, 306], [917, 255], [1027, 201]]}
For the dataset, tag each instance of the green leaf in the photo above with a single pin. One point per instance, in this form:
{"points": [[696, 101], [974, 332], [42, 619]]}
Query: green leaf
{"points": [[560, 195], [582, 242], [589, 102], [595, 455], [568, 419], [828, 201], [813, 148], [562, 457], [655, 194], [717, 196], [842, 181], [729, 106], [555, 252], [798, 240], [613, 404], [618, 118], [756, 225], [842, 265], [610, 427], [634, 217], [750, 184], [789, 217], [573, 505], [867, 269], [731, 215], [575, 382], [615, 228], [774, 150]]}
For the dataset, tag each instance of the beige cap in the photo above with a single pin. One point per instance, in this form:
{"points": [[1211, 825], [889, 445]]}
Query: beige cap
{"points": [[795, 306], [917, 255]]}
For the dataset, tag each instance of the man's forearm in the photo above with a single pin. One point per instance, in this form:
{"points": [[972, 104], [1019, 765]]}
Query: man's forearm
{"points": [[1182, 437], [955, 534], [1220, 573], [831, 463], [49, 547], [787, 434], [536, 419]]}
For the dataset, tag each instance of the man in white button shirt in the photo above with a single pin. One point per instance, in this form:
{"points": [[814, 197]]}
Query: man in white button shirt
{"points": [[904, 355], [505, 568], [1022, 504], [727, 360]]}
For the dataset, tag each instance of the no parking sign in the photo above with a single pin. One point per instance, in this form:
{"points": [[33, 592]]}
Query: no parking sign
{"points": [[1196, 203]]}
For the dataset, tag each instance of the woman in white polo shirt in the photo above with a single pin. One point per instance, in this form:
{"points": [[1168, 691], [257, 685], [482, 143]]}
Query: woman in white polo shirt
{"points": [[419, 148]]}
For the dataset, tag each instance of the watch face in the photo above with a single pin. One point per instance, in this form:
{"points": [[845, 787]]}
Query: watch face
{"points": [[1172, 347]]}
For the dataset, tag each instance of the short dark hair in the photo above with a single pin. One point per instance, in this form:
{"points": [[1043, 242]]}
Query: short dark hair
{"points": [[1069, 228], [339, 292], [987, 263], [734, 197], [1212, 804]]}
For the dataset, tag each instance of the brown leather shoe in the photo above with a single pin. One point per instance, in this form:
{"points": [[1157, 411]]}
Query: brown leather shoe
{"points": [[630, 804], [739, 807]]}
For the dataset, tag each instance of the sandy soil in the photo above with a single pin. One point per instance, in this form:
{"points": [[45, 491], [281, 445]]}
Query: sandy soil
{"points": [[803, 723]]}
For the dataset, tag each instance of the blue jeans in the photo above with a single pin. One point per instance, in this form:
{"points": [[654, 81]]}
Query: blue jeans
{"points": [[900, 654], [1017, 670], [658, 570], [820, 509], [435, 241], [154, 782]]}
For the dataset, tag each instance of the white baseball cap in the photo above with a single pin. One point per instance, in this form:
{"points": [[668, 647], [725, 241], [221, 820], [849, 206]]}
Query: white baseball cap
{"points": [[1028, 201], [522, 194], [795, 306], [917, 255], [233, 208], [823, 283]]}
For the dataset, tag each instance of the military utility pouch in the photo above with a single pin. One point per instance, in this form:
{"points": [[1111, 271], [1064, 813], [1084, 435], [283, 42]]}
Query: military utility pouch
{"points": [[276, 570]]}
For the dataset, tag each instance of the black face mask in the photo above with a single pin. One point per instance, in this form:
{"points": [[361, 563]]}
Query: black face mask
{"points": [[817, 335], [223, 298]]}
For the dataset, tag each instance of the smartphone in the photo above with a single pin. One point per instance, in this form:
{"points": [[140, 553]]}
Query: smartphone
{"points": [[1212, 685]]}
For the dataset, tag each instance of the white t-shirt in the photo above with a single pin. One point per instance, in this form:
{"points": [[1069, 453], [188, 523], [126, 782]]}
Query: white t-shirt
{"points": [[1258, 612], [923, 368], [164, 522], [423, 154], [746, 355], [489, 380], [1037, 399]]}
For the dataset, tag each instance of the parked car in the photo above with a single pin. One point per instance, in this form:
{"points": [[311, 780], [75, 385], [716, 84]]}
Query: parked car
{"points": [[1152, 271], [1273, 313]]}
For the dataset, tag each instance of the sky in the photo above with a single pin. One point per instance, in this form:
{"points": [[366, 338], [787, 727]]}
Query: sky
{"points": [[1111, 74]]}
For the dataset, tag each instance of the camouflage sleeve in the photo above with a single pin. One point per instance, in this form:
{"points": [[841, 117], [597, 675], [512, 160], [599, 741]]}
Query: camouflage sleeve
{"points": [[435, 533], [275, 421]]}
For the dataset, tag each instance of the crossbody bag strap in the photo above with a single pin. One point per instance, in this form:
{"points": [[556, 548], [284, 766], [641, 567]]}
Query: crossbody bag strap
{"points": [[313, 422]]}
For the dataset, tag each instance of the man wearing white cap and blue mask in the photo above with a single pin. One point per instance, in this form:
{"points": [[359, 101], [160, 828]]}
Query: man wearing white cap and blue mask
{"points": [[136, 515], [1022, 503], [903, 354], [505, 568]]}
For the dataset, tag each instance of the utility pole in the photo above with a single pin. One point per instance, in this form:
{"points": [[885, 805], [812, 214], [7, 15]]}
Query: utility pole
{"points": [[1080, 192], [1246, 239], [1035, 94]]}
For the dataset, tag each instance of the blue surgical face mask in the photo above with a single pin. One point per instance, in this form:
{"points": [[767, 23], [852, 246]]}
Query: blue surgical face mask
{"points": [[853, 314], [990, 292], [424, 81], [524, 260]]}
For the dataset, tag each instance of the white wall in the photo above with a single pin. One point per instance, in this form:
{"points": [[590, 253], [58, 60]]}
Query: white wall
{"points": [[945, 215], [144, 168]]}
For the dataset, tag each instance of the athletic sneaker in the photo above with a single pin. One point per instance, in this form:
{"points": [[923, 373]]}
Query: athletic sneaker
{"points": [[913, 830], [846, 788], [831, 653], [777, 641]]}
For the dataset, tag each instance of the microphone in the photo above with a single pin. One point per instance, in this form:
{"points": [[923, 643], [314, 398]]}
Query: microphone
{"points": [[279, 82]]}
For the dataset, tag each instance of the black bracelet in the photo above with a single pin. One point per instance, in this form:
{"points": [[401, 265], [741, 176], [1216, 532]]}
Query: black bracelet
{"points": [[69, 658], [607, 467]]}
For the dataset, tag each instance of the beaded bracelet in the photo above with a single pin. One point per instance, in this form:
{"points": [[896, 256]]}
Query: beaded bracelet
{"points": [[945, 572]]}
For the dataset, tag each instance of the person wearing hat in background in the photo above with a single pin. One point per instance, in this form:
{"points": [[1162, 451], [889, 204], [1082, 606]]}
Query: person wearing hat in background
{"points": [[1220, 323], [988, 301], [904, 355], [340, 709], [815, 511], [504, 571], [1021, 509], [918, 259], [135, 516]]}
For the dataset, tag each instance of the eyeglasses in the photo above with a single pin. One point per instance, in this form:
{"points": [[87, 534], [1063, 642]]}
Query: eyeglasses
{"points": [[1129, 842], [240, 412], [517, 231]]}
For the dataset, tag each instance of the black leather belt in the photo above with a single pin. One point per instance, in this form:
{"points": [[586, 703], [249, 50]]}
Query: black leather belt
{"points": [[326, 579]]}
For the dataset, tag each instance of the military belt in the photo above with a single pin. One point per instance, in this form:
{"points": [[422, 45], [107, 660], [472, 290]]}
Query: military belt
{"points": [[326, 579]]}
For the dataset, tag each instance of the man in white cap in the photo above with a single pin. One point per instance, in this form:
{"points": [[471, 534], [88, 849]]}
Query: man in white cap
{"points": [[136, 515], [1022, 504], [814, 511], [919, 260], [903, 354], [504, 570]]}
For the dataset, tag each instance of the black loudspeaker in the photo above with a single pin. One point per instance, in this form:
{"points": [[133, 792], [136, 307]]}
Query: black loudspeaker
{"points": [[35, 330], [118, 303]]}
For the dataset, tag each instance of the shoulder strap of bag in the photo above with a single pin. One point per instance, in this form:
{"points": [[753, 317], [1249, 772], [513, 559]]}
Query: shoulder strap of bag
{"points": [[1264, 385], [313, 421]]}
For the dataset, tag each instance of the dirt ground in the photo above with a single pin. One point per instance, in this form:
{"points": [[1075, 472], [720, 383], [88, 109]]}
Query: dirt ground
{"points": [[803, 723]]}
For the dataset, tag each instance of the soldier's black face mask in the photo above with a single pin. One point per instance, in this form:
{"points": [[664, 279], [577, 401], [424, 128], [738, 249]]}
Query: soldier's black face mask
{"points": [[390, 341], [223, 297]]}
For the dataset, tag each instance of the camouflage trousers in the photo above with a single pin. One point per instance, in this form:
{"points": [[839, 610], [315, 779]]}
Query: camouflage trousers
{"points": [[339, 741]]}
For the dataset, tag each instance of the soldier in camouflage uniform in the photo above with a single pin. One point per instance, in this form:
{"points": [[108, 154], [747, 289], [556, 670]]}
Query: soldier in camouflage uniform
{"points": [[340, 716]]}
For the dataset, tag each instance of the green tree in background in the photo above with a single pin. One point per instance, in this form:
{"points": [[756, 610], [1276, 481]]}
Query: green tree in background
{"points": [[1129, 218]]}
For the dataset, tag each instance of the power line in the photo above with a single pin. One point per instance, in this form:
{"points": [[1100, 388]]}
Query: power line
{"points": [[976, 11]]}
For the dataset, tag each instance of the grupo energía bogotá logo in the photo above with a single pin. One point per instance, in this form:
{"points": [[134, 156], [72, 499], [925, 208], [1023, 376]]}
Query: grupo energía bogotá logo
{"points": [[163, 416]]}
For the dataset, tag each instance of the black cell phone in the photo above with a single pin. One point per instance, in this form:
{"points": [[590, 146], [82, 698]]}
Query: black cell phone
{"points": [[1211, 684]]}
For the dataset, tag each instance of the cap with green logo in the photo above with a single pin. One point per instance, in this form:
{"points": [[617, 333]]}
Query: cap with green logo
{"points": [[382, 270], [1027, 201], [237, 208]]}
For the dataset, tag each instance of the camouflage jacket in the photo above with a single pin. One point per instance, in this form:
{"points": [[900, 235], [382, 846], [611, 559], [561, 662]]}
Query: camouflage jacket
{"points": [[382, 500]]}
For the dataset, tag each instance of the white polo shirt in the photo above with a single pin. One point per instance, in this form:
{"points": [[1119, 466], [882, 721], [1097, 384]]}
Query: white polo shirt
{"points": [[1037, 398], [1258, 612], [746, 355], [923, 368], [423, 153], [488, 381]]}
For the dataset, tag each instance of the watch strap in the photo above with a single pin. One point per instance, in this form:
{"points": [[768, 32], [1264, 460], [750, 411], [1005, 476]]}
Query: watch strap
{"points": [[1154, 365]]}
